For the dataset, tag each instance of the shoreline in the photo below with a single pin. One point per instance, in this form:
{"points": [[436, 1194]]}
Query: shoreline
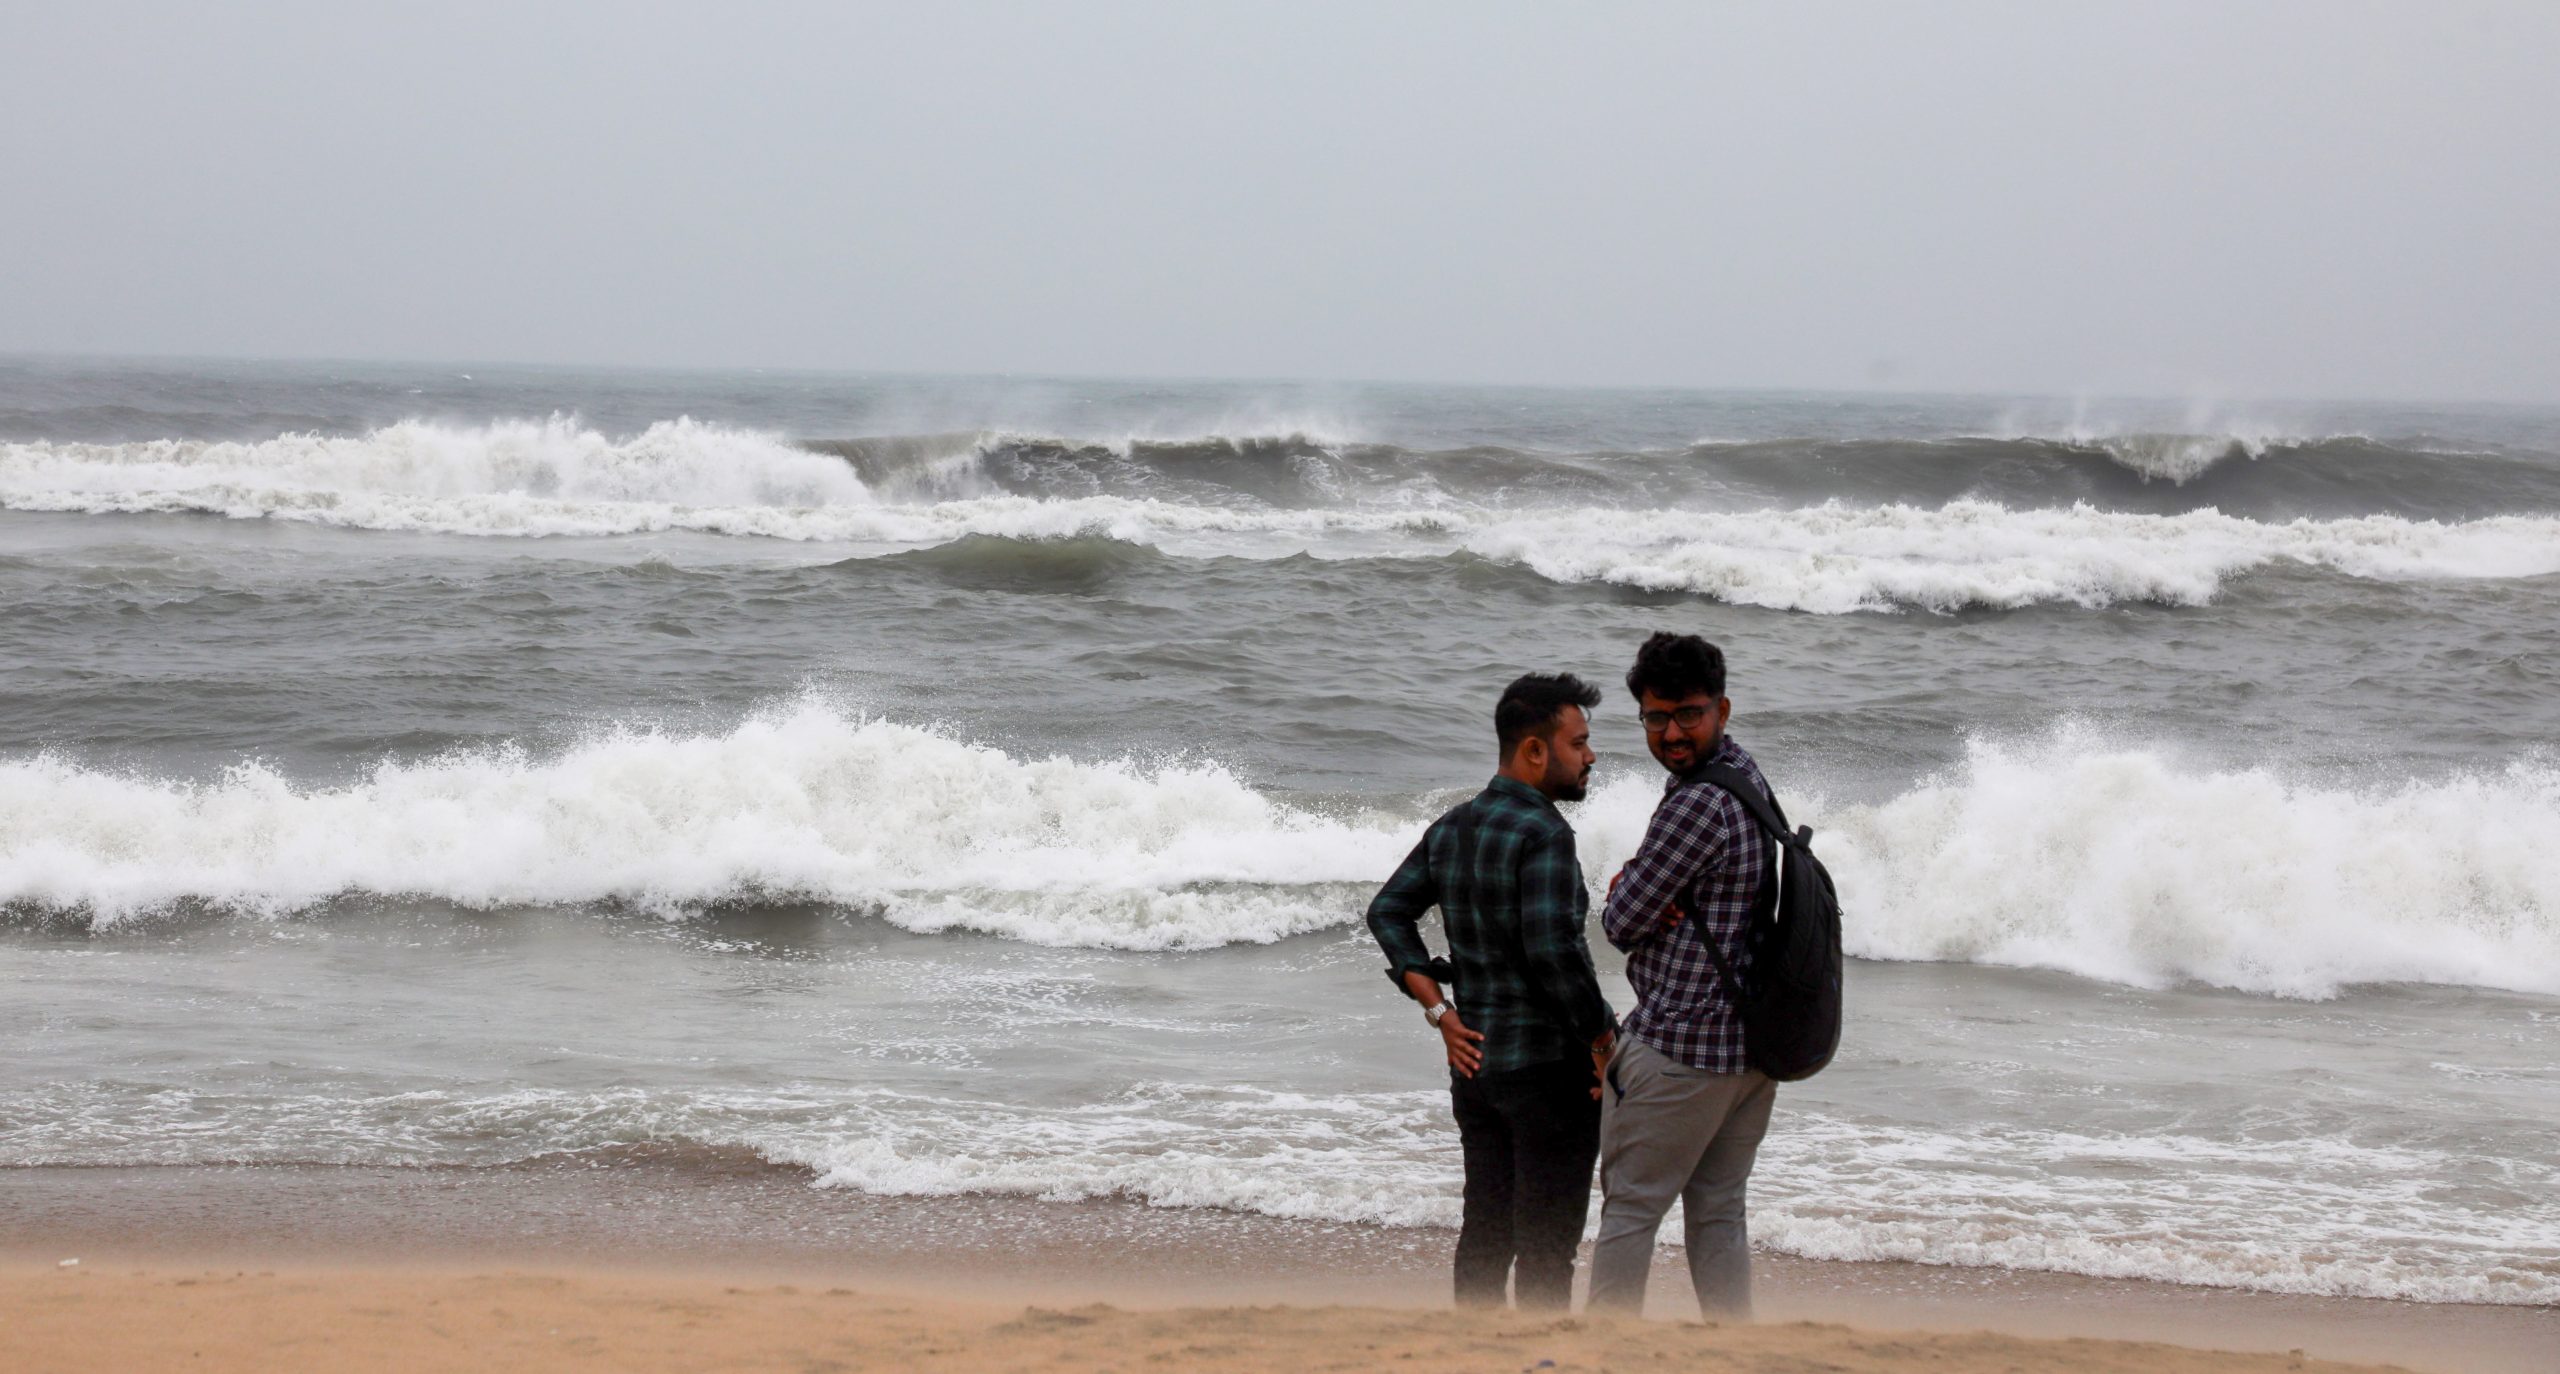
{"points": [[694, 1221]]}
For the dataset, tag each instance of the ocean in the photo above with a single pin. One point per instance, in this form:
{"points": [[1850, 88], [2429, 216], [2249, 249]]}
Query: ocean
{"points": [[971, 786]]}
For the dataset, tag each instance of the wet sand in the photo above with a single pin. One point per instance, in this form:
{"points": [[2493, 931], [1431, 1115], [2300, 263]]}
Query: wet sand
{"points": [[384, 1258]]}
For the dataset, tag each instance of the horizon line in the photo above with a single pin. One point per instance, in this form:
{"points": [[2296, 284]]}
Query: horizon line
{"points": [[2089, 393]]}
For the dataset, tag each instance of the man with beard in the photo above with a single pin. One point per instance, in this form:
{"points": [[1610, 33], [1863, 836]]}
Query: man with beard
{"points": [[1683, 1114], [1524, 1060]]}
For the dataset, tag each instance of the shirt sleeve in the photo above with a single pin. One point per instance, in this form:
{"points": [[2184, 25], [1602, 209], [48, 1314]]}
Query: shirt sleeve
{"points": [[1552, 903], [1395, 914], [1686, 835]]}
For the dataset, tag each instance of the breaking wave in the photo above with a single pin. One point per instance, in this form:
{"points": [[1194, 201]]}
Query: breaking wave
{"points": [[2122, 864], [1835, 559], [2261, 475], [2113, 862], [507, 478], [1562, 518], [805, 804]]}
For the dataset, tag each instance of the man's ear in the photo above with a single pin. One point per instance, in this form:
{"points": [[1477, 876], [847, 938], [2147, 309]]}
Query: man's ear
{"points": [[1533, 754]]}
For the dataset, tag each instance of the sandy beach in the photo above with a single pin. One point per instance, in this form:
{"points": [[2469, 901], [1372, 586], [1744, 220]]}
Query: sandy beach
{"points": [[62, 1320], [649, 1266]]}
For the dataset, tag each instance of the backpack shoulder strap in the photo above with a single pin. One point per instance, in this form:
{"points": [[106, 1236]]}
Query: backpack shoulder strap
{"points": [[1773, 824], [1763, 808]]}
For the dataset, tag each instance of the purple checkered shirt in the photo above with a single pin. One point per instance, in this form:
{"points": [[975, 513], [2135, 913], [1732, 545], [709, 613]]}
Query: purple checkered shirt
{"points": [[1706, 855]]}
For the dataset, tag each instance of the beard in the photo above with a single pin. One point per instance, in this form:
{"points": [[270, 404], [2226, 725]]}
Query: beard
{"points": [[1695, 758]]}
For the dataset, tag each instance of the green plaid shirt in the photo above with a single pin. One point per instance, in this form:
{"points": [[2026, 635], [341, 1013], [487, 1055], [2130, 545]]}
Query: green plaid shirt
{"points": [[1500, 866]]}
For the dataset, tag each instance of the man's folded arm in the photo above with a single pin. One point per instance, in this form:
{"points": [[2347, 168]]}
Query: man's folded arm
{"points": [[1551, 938], [1677, 847], [1395, 914]]}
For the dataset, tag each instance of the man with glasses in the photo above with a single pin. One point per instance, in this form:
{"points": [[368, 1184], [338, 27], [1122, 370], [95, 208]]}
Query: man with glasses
{"points": [[1682, 1114], [1524, 1060]]}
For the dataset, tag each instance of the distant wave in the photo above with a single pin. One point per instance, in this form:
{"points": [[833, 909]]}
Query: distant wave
{"points": [[2261, 477], [1834, 559], [1077, 563], [2180, 456], [2258, 475], [1263, 497], [1826, 560], [537, 476], [1288, 468], [508, 478], [2111, 862]]}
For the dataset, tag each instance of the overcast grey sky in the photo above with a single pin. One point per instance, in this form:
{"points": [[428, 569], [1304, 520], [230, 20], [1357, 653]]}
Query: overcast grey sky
{"points": [[2327, 199]]}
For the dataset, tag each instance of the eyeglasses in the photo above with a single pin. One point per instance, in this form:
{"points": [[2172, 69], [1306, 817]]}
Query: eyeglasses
{"points": [[1690, 718]]}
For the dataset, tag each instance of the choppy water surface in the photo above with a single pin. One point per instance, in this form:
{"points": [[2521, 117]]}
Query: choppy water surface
{"points": [[950, 785]]}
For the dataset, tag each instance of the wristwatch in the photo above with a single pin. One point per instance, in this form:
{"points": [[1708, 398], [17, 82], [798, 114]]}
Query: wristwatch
{"points": [[1434, 1012]]}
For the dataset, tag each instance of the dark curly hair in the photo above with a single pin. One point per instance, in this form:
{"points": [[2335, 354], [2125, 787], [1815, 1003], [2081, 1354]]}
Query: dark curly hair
{"points": [[1674, 666]]}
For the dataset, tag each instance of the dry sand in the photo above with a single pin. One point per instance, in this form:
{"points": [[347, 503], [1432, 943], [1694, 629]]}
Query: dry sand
{"points": [[57, 1320]]}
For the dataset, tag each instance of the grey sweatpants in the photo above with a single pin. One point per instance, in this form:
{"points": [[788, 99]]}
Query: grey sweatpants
{"points": [[1668, 1133]]}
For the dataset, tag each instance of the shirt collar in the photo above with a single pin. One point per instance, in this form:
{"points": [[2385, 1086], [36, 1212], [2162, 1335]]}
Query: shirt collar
{"points": [[1519, 791]]}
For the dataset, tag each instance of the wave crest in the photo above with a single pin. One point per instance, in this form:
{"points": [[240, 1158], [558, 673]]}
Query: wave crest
{"points": [[2112, 862], [1249, 496], [508, 477], [1837, 559], [2119, 864], [804, 804]]}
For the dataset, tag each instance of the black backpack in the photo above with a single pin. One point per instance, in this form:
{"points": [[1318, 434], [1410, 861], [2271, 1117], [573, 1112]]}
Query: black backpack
{"points": [[1791, 1007]]}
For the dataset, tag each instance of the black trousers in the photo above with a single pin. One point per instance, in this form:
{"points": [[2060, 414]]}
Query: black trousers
{"points": [[1529, 1137]]}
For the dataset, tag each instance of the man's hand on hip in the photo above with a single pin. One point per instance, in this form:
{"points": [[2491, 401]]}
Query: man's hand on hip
{"points": [[1462, 1044]]}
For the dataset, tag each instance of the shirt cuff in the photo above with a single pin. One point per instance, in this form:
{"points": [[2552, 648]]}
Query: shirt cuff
{"points": [[1435, 968]]}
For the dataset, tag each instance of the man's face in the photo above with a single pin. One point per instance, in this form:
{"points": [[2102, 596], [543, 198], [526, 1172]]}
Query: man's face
{"points": [[1569, 756], [1681, 733]]}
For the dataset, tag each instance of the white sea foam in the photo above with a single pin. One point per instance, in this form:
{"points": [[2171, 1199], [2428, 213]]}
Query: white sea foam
{"points": [[806, 803], [1833, 558], [2316, 1215], [2122, 864], [508, 477], [2178, 458], [2113, 862], [2297, 1216], [554, 478]]}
